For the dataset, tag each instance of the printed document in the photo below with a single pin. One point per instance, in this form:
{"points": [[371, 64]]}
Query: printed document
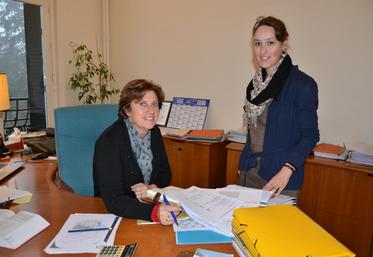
{"points": [[92, 231], [208, 207], [16, 229], [213, 208]]}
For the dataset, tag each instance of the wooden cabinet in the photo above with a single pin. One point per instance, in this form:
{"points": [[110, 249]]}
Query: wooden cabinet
{"points": [[339, 197], [196, 163], [233, 156], [335, 194]]}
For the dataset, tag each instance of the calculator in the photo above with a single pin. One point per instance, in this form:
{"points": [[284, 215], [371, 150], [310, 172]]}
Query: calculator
{"points": [[118, 251]]}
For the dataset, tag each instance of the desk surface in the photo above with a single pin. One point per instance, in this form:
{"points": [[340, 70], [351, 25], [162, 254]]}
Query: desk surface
{"points": [[55, 205]]}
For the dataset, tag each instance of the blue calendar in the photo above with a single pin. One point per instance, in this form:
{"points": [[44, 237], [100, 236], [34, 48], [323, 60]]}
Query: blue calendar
{"points": [[188, 113]]}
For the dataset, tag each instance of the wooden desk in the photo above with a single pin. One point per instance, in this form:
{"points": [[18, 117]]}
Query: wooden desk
{"points": [[56, 205]]}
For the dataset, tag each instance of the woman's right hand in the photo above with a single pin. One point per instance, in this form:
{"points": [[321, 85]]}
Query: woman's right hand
{"points": [[164, 213]]}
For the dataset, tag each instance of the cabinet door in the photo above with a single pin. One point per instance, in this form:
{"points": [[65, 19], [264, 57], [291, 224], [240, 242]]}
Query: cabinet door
{"points": [[233, 157], [341, 201], [189, 163]]}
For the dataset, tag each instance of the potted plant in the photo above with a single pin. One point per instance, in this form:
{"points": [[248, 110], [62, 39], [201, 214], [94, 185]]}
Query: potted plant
{"points": [[92, 77]]}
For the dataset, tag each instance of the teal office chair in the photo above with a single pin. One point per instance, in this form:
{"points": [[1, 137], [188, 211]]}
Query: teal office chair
{"points": [[76, 130]]}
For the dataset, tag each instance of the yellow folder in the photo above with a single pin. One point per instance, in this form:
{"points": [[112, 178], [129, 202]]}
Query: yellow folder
{"points": [[284, 231]]}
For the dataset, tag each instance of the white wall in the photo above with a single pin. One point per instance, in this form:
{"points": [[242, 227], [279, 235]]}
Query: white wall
{"points": [[78, 22], [202, 49]]}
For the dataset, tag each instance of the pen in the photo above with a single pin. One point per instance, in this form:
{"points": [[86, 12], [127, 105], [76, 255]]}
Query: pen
{"points": [[87, 229], [172, 213], [111, 229]]}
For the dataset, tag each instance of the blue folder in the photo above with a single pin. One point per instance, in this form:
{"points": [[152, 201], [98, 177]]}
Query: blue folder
{"points": [[200, 237]]}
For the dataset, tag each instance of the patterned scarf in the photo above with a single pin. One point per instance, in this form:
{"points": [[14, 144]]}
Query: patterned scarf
{"points": [[142, 151], [259, 93]]}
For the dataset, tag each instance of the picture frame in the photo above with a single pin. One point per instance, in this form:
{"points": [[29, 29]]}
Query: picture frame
{"points": [[164, 113]]}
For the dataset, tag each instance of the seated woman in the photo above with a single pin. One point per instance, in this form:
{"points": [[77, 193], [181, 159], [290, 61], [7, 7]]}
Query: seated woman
{"points": [[130, 157]]}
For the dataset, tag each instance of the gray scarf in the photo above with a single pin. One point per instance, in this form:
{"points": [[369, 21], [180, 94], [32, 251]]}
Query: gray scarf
{"points": [[142, 150]]}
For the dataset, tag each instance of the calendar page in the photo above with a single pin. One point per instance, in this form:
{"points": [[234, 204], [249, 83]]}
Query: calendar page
{"points": [[188, 113]]}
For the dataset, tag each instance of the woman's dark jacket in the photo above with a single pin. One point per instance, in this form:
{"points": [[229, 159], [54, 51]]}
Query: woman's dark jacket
{"points": [[291, 130], [115, 170]]}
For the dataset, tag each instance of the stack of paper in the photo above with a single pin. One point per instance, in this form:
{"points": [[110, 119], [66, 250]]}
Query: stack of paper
{"points": [[330, 151], [361, 154], [213, 208], [237, 135], [361, 158], [208, 207], [84, 233]]}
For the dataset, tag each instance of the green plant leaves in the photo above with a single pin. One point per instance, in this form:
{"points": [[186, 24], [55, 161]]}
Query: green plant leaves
{"points": [[92, 77]]}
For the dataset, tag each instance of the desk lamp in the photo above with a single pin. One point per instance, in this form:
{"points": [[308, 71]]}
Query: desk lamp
{"points": [[4, 105]]}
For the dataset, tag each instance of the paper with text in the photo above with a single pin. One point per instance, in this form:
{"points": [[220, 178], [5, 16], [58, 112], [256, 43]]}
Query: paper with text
{"points": [[208, 207], [84, 242], [16, 229]]}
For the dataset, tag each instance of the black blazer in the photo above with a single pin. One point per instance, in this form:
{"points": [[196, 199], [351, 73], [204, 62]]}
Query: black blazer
{"points": [[115, 170]]}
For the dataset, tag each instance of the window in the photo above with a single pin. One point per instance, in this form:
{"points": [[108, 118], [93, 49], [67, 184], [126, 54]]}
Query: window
{"points": [[22, 59]]}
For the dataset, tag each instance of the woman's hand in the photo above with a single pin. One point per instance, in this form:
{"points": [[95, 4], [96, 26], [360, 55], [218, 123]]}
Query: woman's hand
{"points": [[279, 181], [164, 213], [140, 189]]}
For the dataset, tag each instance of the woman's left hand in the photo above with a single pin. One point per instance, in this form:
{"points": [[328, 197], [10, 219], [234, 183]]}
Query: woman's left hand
{"points": [[140, 189], [279, 181]]}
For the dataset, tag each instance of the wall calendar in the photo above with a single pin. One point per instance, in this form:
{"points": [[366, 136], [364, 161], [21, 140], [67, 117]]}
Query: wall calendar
{"points": [[188, 113]]}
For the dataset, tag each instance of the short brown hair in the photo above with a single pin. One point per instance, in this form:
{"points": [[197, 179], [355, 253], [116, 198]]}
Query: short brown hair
{"points": [[135, 90], [278, 25]]}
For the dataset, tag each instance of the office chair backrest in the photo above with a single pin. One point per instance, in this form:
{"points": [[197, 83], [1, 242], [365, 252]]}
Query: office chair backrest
{"points": [[76, 131]]}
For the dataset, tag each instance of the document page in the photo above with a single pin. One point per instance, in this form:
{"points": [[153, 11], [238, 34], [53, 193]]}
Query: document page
{"points": [[85, 233], [18, 228], [208, 207], [251, 197]]}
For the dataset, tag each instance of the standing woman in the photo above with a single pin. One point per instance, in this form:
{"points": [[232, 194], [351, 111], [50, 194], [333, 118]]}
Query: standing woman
{"points": [[280, 113], [130, 157]]}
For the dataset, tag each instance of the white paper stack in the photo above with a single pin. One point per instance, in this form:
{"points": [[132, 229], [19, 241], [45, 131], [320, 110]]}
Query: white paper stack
{"points": [[237, 135], [213, 208], [361, 154], [361, 158]]}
